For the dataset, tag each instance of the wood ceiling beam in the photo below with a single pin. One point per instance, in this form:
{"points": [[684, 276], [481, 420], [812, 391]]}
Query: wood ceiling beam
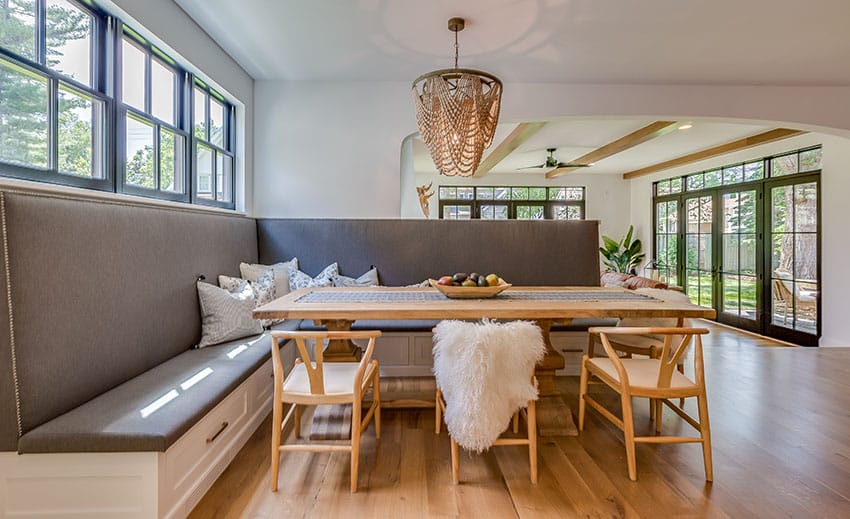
{"points": [[648, 132], [740, 144], [519, 135]]}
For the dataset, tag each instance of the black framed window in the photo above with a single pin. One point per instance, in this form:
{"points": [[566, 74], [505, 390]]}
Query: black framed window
{"points": [[53, 107], [153, 142], [143, 125], [511, 203], [212, 138]]}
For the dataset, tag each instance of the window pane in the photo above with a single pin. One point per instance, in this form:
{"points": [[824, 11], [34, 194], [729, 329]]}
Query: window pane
{"points": [[448, 193], [754, 171], [171, 161], [502, 193], [484, 193], [695, 182], [217, 123], [486, 212], [17, 27], [223, 176], [519, 193], [676, 185], [204, 171], [784, 165], [733, 175], [573, 212], [806, 207], [23, 116], [575, 193], [537, 193], [69, 40], [132, 75], [810, 160], [465, 193], [163, 80], [139, 153], [80, 134], [200, 100], [712, 178], [663, 188], [557, 193]]}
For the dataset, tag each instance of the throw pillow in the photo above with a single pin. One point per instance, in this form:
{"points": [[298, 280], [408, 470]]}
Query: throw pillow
{"points": [[253, 272], [369, 279], [423, 284], [263, 290], [298, 279], [226, 316]]}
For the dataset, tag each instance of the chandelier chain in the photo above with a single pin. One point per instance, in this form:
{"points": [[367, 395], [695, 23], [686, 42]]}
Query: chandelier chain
{"points": [[456, 48]]}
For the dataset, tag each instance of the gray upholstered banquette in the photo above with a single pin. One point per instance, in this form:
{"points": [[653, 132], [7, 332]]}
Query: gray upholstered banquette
{"points": [[102, 309]]}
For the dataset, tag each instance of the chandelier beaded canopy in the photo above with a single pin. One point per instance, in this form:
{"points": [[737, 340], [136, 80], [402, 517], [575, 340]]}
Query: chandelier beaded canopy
{"points": [[457, 111]]}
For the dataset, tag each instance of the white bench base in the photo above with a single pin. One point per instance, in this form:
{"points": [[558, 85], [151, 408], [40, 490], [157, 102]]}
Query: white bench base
{"points": [[142, 485]]}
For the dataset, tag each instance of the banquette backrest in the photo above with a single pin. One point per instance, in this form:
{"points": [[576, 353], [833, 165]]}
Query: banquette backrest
{"points": [[97, 293], [410, 251]]}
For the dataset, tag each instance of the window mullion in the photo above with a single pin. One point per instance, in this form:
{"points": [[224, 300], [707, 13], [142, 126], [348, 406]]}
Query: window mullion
{"points": [[53, 124], [41, 32]]}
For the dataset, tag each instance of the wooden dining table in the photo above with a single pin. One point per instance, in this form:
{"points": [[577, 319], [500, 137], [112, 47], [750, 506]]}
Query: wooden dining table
{"points": [[339, 308]]}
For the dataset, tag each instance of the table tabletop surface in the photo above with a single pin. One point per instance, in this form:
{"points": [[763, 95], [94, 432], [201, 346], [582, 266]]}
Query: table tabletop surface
{"points": [[514, 303]]}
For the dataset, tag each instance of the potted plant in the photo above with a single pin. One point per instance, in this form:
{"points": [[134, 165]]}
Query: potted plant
{"points": [[624, 255]]}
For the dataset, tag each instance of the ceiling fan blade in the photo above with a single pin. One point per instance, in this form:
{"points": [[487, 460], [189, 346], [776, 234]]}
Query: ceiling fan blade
{"points": [[534, 167], [571, 165]]}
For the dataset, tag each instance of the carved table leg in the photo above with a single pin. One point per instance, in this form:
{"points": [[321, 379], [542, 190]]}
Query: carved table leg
{"points": [[340, 350], [554, 417]]}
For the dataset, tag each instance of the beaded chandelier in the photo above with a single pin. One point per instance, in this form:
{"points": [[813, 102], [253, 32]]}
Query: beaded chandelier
{"points": [[457, 111]]}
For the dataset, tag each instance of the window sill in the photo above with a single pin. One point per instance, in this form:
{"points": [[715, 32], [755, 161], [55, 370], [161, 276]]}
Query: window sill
{"points": [[27, 186]]}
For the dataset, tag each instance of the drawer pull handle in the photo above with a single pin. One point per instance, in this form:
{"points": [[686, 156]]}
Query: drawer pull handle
{"points": [[220, 430]]}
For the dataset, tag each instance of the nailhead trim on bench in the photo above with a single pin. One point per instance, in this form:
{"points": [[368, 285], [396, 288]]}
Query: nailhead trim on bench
{"points": [[11, 314]]}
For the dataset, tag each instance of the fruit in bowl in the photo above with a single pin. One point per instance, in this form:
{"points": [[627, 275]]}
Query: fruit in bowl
{"points": [[474, 285]]}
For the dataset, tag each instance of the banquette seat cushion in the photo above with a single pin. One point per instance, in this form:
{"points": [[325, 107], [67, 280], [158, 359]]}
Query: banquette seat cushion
{"points": [[126, 418]]}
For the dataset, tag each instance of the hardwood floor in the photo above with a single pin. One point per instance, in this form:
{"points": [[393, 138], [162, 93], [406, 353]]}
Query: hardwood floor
{"points": [[780, 420]]}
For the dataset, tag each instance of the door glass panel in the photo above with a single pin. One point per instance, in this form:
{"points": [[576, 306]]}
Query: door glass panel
{"points": [[738, 255], [698, 228], [794, 257]]}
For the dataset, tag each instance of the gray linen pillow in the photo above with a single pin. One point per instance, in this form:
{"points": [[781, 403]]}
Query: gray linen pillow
{"points": [[263, 290], [369, 279], [253, 271], [226, 316]]}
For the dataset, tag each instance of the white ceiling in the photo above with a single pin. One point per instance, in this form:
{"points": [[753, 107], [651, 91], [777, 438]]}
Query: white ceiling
{"points": [[778, 42], [735, 42]]}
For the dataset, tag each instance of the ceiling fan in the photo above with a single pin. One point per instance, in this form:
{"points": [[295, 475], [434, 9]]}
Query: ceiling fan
{"points": [[552, 162]]}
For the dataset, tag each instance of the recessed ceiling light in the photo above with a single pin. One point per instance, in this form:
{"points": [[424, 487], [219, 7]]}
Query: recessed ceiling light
{"points": [[686, 126]]}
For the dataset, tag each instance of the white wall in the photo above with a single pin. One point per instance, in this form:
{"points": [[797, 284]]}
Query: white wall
{"points": [[168, 26], [835, 215], [331, 148]]}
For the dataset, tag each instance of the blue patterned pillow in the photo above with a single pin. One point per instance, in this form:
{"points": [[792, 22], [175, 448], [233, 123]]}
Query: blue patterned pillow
{"points": [[298, 279]]}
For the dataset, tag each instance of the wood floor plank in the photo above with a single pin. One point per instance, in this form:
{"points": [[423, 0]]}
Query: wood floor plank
{"points": [[780, 442]]}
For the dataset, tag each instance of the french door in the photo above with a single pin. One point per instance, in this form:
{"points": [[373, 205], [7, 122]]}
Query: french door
{"points": [[750, 251]]}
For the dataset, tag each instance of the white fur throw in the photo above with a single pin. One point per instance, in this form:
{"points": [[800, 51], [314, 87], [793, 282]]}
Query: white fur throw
{"points": [[484, 372]]}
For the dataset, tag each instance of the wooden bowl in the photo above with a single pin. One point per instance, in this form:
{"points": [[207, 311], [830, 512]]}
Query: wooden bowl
{"points": [[470, 292]]}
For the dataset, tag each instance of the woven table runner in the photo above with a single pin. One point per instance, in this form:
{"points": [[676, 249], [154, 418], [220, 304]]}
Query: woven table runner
{"points": [[395, 296]]}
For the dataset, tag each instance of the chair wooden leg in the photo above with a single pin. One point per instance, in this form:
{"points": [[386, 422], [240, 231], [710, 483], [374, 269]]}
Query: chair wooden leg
{"points": [[516, 422], [277, 418], [532, 440], [355, 444], [652, 409], [705, 433], [582, 392], [659, 414], [455, 461], [298, 420], [438, 415], [376, 397], [681, 368], [629, 436]]}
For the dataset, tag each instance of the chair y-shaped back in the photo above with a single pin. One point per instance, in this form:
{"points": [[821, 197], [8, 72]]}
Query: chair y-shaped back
{"points": [[313, 383], [653, 378]]}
